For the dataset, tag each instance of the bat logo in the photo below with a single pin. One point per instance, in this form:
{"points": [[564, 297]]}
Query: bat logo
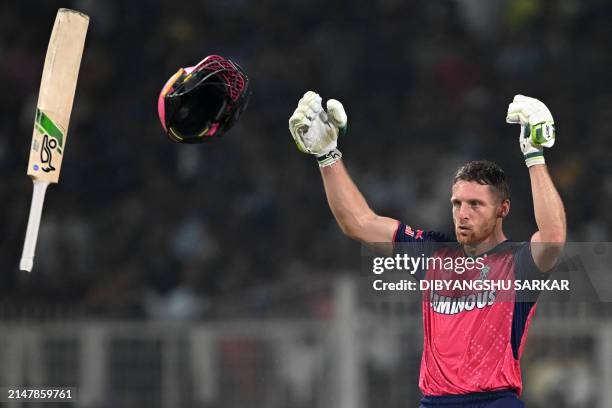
{"points": [[46, 155], [53, 138]]}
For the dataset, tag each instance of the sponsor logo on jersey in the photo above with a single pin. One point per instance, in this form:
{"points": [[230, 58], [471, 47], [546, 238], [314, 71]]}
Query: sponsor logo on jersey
{"points": [[410, 232], [454, 305]]}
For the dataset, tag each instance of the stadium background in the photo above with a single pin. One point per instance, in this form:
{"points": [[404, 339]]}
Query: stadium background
{"points": [[205, 275]]}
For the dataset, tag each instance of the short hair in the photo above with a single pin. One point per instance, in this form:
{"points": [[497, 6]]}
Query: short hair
{"points": [[485, 173]]}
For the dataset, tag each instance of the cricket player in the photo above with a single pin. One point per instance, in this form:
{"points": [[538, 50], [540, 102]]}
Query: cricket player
{"points": [[470, 355]]}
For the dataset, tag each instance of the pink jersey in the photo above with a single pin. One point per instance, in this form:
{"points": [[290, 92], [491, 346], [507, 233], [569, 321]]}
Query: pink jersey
{"points": [[473, 340]]}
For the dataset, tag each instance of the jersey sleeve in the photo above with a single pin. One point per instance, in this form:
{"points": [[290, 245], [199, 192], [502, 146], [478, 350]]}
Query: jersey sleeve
{"points": [[526, 269], [417, 243]]}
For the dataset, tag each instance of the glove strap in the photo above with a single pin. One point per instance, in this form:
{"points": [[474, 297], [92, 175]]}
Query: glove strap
{"points": [[329, 158], [533, 158]]}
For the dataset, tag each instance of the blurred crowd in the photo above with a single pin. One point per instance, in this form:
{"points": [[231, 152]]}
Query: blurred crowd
{"points": [[142, 227]]}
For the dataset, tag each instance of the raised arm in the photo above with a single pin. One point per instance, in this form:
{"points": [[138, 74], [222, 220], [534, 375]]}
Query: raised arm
{"points": [[351, 210], [316, 132], [547, 242], [537, 132]]}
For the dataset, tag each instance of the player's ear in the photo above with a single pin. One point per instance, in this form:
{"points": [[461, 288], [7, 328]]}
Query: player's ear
{"points": [[504, 209]]}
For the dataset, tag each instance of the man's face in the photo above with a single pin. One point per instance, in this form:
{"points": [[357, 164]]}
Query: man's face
{"points": [[476, 211]]}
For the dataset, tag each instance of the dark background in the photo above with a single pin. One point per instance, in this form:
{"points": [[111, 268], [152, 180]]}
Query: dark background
{"points": [[426, 87], [202, 276]]}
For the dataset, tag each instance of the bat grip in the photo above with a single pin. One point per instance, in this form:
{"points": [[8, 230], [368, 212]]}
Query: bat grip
{"points": [[38, 198]]}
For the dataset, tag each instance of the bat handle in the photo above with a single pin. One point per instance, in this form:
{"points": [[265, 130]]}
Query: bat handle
{"points": [[38, 198]]}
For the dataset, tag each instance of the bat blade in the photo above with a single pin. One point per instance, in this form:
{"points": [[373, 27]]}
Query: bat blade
{"points": [[56, 95], [53, 109]]}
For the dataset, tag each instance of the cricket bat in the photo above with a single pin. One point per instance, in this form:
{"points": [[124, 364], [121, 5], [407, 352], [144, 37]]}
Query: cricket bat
{"points": [[53, 109]]}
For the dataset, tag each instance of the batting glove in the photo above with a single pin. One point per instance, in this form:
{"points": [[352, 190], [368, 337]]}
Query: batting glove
{"points": [[537, 127], [316, 131]]}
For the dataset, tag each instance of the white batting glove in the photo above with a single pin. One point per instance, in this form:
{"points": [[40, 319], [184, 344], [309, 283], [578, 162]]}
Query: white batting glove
{"points": [[316, 131], [537, 127]]}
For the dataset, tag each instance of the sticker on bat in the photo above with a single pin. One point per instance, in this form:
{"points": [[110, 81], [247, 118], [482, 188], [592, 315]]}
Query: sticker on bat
{"points": [[53, 139]]}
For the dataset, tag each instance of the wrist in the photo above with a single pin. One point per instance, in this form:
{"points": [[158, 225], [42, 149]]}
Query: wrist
{"points": [[329, 158], [534, 157]]}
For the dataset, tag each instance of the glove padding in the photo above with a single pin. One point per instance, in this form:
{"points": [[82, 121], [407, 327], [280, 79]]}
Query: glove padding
{"points": [[537, 127], [316, 131]]}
